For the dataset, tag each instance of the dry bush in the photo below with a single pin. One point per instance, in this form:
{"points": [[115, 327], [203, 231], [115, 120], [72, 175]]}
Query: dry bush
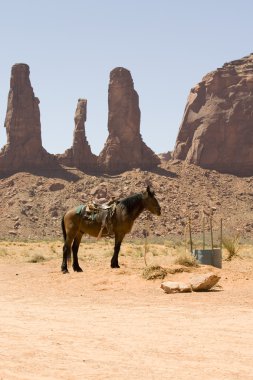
{"points": [[232, 245], [3, 252], [186, 259], [153, 272], [37, 259]]}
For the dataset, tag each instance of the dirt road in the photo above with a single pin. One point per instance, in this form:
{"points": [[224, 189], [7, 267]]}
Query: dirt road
{"points": [[113, 324]]}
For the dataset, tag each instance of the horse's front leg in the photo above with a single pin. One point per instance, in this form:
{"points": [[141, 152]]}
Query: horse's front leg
{"points": [[75, 248], [114, 260]]}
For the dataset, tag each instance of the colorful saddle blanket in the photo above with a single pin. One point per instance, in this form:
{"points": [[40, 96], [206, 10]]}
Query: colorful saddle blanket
{"points": [[80, 209]]}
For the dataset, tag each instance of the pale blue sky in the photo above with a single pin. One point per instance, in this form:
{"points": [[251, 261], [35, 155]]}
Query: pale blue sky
{"points": [[72, 45]]}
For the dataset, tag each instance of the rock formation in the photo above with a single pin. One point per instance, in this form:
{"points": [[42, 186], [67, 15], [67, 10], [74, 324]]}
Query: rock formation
{"points": [[217, 127], [204, 282], [124, 148], [165, 156], [176, 287], [23, 150], [79, 155], [199, 283]]}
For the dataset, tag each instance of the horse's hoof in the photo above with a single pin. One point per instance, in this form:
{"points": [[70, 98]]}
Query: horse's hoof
{"points": [[78, 269], [64, 271], [115, 266]]}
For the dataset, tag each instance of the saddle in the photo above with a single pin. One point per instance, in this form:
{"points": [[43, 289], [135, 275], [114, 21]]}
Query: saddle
{"points": [[94, 207], [94, 211]]}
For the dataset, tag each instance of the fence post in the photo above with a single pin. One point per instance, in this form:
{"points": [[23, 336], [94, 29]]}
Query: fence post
{"points": [[190, 232], [221, 231], [211, 231], [203, 230]]}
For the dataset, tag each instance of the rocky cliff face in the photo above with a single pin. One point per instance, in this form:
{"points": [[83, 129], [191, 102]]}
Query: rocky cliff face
{"points": [[124, 148], [79, 155], [217, 127], [24, 146]]}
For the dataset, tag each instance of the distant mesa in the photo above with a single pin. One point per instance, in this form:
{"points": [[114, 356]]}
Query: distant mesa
{"points": [[124, 148], [217, 127], [24, 146], [79, 155], [165, 156]]}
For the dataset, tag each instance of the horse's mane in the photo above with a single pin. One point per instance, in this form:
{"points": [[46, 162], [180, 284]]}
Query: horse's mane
{"points": [[130, 202]]}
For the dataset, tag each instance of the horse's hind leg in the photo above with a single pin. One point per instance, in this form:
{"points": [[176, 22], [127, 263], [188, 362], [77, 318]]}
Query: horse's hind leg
{"points": [[66, 255], [75, 248]]}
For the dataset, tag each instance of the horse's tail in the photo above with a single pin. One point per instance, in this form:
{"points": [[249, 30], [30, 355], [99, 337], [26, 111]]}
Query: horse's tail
{"points": [[63, 228]]}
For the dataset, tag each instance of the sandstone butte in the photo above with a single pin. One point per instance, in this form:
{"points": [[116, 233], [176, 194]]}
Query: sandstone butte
{"points": [[124, 148], [217, 126], [24, 148], [79, 155]]}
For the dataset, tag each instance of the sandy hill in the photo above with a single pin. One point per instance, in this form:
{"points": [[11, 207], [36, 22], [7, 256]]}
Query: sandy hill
{"points": [[32, 205]]}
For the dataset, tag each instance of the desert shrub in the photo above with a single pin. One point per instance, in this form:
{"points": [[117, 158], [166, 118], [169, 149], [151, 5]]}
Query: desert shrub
{"points": [[3, 252], [37, 259], [232, 245], [186, 259], [153, 272]]}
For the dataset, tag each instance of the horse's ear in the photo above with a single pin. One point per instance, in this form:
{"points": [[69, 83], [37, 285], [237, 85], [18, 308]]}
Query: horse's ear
{"points": [[150, 191]]}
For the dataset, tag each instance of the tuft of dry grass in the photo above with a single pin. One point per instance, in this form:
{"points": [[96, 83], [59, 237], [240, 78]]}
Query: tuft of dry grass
{"points": [[3, 252], [186, 259], [232, 245], [37, 259], [153, 272]]}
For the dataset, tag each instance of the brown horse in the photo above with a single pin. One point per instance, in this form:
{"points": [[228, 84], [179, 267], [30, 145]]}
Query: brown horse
{"points": [[116, 220]]}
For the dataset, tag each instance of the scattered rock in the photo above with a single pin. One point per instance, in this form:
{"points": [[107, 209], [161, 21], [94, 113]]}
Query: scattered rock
{"points": [[99, 191], [11, 232], [204, 282], [176, 287], [54, 212], [56, 186], [197, 283], [17, 225]]}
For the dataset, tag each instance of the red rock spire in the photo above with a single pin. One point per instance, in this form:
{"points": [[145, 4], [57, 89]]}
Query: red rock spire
{"points": [[124, 148], [24, 147]]}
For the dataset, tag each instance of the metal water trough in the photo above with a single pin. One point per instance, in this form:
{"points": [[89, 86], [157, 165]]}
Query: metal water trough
{"points": [[209, 256]]}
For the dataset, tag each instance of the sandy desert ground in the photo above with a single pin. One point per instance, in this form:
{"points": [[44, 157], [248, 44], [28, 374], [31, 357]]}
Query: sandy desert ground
{"points": [[114, 324]]}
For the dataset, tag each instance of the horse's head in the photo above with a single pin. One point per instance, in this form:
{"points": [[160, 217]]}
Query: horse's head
{"points": [[150, 202]]}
